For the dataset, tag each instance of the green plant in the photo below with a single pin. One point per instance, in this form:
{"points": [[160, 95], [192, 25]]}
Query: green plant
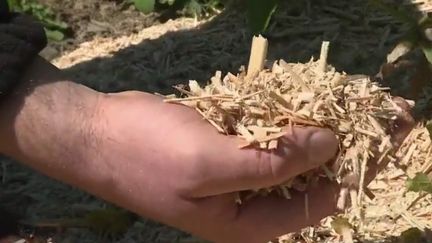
{"points": [[259, 12], [419, 26], [54, 28], [108, 223], [421, 181], [196, 8], [413, 235]]}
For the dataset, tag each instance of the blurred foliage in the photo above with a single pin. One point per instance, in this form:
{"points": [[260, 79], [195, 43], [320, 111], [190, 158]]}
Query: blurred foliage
{"points": [[195, 8], [108, 223], [340, 224], [429, 128], [146, 6], [259, 12], [415, 235], [419, 25], [54, 28], [420, 183]]}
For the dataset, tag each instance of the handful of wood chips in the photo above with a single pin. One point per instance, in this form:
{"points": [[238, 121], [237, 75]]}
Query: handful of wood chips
{"points": [[258, 104]]}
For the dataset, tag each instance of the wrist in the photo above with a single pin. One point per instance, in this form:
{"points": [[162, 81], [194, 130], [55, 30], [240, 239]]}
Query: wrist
{"points": [[52, 125]]}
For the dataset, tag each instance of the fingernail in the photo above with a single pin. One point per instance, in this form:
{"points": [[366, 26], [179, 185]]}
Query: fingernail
{"points": [[322, 146]]}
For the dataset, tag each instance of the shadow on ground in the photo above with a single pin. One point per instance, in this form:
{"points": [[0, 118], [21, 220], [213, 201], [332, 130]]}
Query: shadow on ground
{"points": [[223, 44], [357, 47]]}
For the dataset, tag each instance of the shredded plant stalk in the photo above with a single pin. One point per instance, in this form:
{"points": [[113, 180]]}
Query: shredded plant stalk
{"points": [[262, 107]]}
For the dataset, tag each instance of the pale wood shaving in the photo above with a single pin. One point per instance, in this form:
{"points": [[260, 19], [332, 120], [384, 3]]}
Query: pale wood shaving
{"points": [[406, 209], [258, 54], [287, 95]]}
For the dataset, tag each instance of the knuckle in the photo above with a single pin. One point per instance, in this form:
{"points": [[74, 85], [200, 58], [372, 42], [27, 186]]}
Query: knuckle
{"points": [[269, 168], [276, 167], [194, 168]]}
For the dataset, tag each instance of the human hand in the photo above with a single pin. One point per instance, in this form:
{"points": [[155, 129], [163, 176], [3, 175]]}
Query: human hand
{"points": [[196, 171], [170, 165], [162, 161]]}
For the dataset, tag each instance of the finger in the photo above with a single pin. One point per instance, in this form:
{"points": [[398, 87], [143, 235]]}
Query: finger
{"points": [[230, 169], [263, 219]]}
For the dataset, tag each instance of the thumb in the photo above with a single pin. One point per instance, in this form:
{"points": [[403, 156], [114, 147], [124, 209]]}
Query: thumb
{"points": [[231, 169]]}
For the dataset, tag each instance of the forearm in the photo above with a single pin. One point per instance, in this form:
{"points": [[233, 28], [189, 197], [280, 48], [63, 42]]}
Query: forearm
{"points": [[49, 125]]}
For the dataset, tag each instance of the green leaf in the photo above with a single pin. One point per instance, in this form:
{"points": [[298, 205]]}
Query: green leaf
{"points": [[14, 5], [420, 183], [52, 23], [428, 53], [145, 6], [193, 8], [429, 128], [111, 221], [260, 13], [54, 35], [169, 2], [397, 11], [339, 225]]}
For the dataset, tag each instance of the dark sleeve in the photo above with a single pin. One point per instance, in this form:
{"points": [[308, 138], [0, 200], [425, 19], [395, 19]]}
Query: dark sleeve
{"points": [[21, 39]]}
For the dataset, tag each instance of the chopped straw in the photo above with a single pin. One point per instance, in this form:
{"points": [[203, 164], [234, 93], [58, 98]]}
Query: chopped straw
{"points": [[262, 105]]}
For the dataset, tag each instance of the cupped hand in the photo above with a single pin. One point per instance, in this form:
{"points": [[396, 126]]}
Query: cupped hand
{"points": [[164, 162], [170, 165]]}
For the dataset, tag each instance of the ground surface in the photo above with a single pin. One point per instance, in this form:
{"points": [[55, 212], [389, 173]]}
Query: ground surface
{"points": [[115, 48]]}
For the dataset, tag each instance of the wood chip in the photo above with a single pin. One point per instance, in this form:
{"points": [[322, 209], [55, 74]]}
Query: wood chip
{"points": [[262, 108], [258, 55]]}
